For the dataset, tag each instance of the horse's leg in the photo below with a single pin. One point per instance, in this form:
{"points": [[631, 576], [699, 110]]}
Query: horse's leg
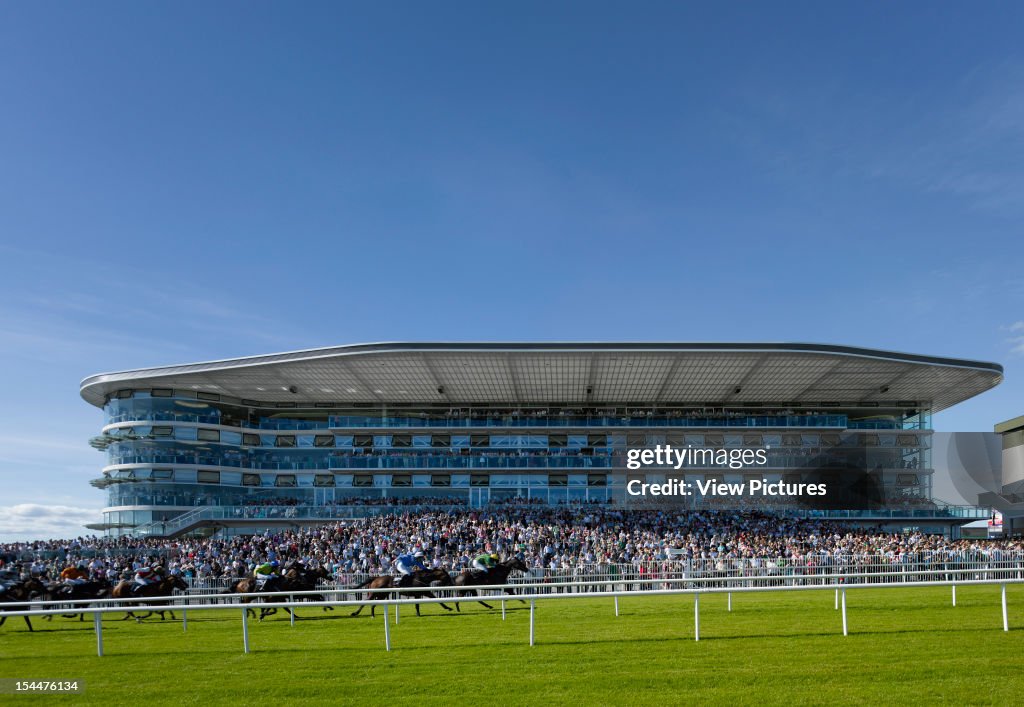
{"points": [[477, 594], [28, 623], [512, 592], [356, 612], [2, 619]]}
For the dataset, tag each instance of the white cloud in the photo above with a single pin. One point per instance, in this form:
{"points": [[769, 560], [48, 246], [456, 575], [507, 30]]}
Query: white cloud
{"points": [[36, 521], [1017, 339]]}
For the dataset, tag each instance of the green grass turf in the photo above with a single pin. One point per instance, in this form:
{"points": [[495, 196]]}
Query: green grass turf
{"points": [[905, 646]]}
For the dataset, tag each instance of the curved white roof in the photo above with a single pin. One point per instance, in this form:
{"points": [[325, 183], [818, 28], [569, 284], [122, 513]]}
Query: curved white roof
{"points": [[576, 373]]}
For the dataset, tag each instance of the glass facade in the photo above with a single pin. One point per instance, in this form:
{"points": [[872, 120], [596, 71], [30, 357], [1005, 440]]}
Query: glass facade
{"points": [[169, 451]]}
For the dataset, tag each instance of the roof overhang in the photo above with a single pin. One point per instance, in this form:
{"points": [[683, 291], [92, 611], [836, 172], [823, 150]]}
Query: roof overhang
{"points": [[575, 373]]}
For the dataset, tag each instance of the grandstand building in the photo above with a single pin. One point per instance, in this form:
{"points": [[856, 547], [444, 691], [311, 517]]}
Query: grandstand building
{"points": [[311, 436]]}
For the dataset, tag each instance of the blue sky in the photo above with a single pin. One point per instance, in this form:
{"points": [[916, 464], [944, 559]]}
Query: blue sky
{"points": [[203, 180]]}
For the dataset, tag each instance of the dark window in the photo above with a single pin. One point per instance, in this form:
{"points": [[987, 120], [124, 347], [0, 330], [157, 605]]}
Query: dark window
{"points": [[207, 435], [250, 479], [441, 441], [479, 480], [440, 480], [251, 440], [162, 393], [123, 394], [401, 440], [162, 474], [597, 480], [323, 480], [323, 441], [557, 441], [362, 440], [401, 480], [479, 440], [285, 480], [285, 441], [362, 480], [558, 480], [214, 397], [208, 477], [597, 440], [163, 431]]}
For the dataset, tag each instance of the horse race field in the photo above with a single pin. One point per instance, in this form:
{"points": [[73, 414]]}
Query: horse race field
{"points": [[905, 646]]}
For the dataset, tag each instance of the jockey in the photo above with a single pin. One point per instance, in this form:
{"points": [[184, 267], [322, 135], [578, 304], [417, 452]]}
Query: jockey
{"points": [[145, 576], [265, 572], [486, 561], [77, 574], [405, 564]]}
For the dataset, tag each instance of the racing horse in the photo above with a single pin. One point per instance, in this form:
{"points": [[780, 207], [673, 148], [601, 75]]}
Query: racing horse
{"points": [[297, 578], [163, 587], [20, 591], [76, 594], [421, 579], [250, 587], [496, 575]]}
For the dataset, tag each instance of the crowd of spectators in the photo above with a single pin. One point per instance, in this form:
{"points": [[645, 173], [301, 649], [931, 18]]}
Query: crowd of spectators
{"points": [[544, 537]]}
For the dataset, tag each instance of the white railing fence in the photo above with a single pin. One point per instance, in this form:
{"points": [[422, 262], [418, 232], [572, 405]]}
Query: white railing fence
{"points": [[529, 591], [733, 572]]}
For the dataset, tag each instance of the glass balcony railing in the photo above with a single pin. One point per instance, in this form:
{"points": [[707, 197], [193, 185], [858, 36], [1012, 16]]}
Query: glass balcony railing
{"points": [[470, 462], [586, 421], [511, 421]]}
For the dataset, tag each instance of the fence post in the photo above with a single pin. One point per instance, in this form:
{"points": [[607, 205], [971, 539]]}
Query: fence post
{"points": [[616, 604], [291, 610], [184, 619], [387, 631], [837, 598], [730, 601], [397, 611], [696, 617], [502, 609], [531, 621], [845, 633], [97, 622], [1006, 624], [954, 595], [245, 629]]}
